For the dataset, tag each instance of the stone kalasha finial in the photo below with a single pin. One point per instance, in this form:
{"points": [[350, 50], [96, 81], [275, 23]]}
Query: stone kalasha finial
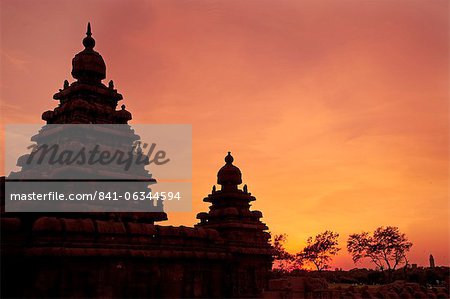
{"points": [[229, 174], [88, 65], [88, 41], [229, 158]]}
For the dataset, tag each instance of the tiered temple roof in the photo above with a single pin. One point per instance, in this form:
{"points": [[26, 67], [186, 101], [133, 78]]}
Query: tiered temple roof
{"points": [[88, 100], [230, 212]]}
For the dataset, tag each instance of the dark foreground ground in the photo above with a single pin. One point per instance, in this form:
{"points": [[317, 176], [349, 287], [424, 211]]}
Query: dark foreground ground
{"points": [[361, 283]]}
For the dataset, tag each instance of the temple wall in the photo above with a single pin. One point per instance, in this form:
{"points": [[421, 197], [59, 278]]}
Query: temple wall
{"points": [[90, 258]]}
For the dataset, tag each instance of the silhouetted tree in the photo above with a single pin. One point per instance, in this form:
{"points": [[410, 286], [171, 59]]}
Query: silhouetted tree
{"points": [[283, 260], [386, 248], [320, 250]]}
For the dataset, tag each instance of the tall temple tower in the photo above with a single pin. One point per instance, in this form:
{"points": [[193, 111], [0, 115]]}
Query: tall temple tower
{"points": [[242, 229], [88, 101]]}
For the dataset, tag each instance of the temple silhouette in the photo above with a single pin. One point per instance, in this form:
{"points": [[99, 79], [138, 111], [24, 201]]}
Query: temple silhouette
{"points": [[226, 254]]}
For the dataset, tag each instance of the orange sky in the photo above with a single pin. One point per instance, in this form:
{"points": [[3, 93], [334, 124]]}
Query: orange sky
{"points": [[335, 111]]}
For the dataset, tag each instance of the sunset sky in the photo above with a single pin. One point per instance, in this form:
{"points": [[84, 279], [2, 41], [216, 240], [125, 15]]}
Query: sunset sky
{"points": [[336, 112]]}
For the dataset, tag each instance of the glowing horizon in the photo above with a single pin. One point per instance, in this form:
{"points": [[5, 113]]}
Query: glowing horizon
{"points": [[336, 113]]}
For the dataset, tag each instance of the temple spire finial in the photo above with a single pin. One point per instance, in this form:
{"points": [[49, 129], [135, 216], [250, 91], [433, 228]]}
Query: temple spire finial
{"points": [[88, 41], [229, 158], [89, 33], [88, 65]]}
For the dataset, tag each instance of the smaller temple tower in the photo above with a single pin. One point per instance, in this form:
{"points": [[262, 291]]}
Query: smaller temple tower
{"points": [[242, 230], [431, 261]]}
